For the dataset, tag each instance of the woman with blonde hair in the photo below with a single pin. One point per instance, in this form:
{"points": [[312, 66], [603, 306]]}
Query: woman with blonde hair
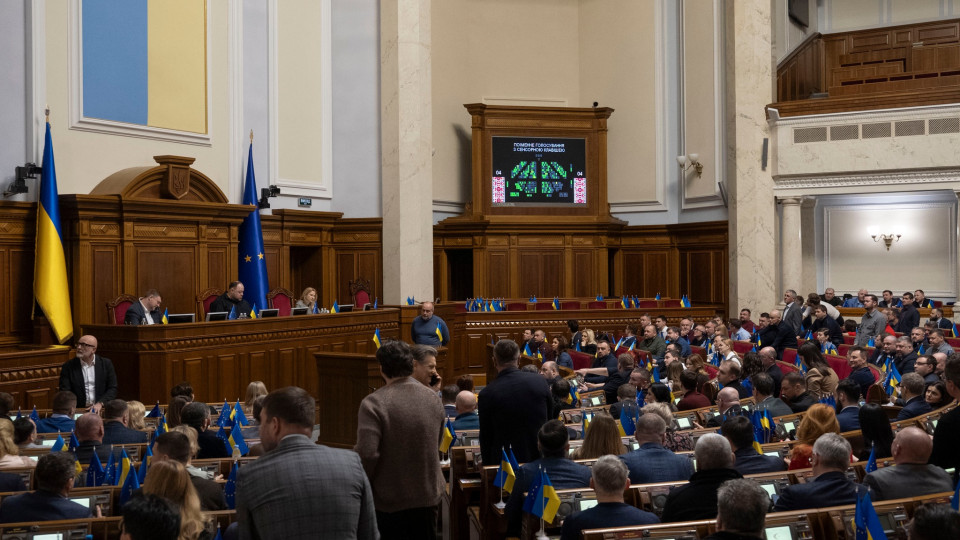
{"points": [[136, 411], [602, 438], [10, 457], [675, 441], [695, 363], [819, 419], [169, 479], [308, 299], [588, 342], [254, 389]]}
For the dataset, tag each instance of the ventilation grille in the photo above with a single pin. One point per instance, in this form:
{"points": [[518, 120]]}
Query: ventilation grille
{"points": [[940, 126], [808, 135], [908, 128], [877, 130], [844, 133]]}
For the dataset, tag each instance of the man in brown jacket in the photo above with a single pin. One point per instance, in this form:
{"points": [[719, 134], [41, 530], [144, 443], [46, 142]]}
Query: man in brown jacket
{"points": [[398, 433]]}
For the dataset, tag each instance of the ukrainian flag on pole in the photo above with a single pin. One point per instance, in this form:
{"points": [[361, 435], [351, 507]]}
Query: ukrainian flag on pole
{"points": [[50, 266]]}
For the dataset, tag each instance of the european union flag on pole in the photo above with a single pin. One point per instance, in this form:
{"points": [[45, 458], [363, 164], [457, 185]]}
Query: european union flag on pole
{"points": [[253, 267], [50, 265], [230, 489], [95, 472], [237, 416], [872, 460], [34, 415], [865, 520], [58, 444], [155, 412], [130, 484], [657, 297]]}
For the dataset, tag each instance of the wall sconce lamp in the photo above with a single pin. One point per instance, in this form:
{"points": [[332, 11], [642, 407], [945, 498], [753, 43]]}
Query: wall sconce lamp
{"points": [[888, 239], [690, 161]]}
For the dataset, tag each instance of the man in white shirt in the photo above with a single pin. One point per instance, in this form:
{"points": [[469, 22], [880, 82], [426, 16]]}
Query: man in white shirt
{"points": [[89, 376]]}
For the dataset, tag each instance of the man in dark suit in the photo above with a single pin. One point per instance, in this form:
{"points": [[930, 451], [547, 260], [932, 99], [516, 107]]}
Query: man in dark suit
{"points": [[64, 408], [905, 359], [90, 438], [652, 463], [512, 407], [937, 318], [563, 473], [54, 477], [741, 511], [332, 496], [795, 394], [763, 394], [848, 403], [912, 392], [176, 446], [946, 437], [739, 431], [729, 376], [784, 336], [793, 311], [609, 481], [115, 430], [909, 316], [860, 373], [698, 498], [886, 351], [149, 517], [197, 416], [604, 365], [232, 300], [822, 320], [912, 476], [89, 376], [830, 485], [926, 367], [146, 310], [768, 357]]}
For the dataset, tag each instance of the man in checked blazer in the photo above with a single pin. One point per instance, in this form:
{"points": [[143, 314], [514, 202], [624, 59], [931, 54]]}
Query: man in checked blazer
{"points": [[89, 376], [300, 489]]}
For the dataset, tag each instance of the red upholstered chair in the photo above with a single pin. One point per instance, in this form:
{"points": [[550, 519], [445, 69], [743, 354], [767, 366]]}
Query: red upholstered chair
{"points": [[711, 370], [671, 302], [742, 347], [581, 360], [281, 300], [954, 342], [789, 355], [938, 303], [839, 365], [206, 298], [570, 305], [360, 290], [849, 340], [843, 349], [117, 309], [877, 375], [698, 350], [787, 367], [544, 306], [647, 304], [596, 305]]}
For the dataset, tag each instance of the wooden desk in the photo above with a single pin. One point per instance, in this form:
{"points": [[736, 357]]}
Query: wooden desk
{"points": [[221, 358], [32, 374]]}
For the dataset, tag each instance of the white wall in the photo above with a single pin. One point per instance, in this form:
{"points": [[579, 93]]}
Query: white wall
{"points": [[787, 34], [846, 15], [13, 96]]}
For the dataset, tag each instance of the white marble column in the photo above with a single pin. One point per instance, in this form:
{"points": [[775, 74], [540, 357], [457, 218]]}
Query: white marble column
{"points": [[808, 246], [406, 143], [749, 88], [791, 250]]}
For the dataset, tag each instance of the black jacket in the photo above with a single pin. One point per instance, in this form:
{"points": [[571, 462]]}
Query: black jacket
{"points": [[512, 408], [136, 315], [698, 498], [105, 379]]}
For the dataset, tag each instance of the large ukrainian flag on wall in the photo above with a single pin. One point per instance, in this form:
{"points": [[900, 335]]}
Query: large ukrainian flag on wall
{"points": [[145, 62], [50, 267]]}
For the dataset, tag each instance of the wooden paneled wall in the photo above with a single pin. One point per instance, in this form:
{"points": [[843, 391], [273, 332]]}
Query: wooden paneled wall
{"points": [[17, 237]]}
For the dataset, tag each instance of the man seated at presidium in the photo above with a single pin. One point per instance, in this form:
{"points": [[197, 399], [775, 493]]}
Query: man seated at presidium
{"points": [[232, 300], [423, 329], [89, 376], [145, 310]]}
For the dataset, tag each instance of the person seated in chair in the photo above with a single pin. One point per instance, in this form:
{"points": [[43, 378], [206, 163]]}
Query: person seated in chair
{"points": [[608, 480], [197, 416], [146, 310], [116, 416], [232, 300], [54, 477], [466, 412], [913, 396], [848, 405], [90, 438], [739, 431], [64, 407], [795, 394], [176, 446], [829, 485], [698, 498], [652, 463], [912, 476]]}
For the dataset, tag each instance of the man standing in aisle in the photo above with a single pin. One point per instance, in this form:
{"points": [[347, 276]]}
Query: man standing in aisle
{"points": [[89, 376]]}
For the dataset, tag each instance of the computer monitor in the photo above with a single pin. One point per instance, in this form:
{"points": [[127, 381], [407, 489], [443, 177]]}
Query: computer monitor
{"points": [[299, 311], [217, 316], [368, 306], [175, 318], [780, 532], [345, 308], [264, 313]]}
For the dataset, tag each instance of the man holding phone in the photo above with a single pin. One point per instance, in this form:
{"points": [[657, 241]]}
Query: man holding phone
{"points": [[425, 367]]}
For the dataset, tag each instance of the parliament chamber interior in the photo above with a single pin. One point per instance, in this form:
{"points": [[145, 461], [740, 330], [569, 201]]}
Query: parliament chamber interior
{"points": [[719, 196]]}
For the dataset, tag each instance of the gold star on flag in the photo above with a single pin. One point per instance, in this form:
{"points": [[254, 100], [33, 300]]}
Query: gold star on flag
{"points": [[260, 255], [247, 258]]}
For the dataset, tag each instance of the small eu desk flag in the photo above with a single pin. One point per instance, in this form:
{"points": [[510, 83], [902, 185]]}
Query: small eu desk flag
{"points": [[50, 266], [252, 266]]}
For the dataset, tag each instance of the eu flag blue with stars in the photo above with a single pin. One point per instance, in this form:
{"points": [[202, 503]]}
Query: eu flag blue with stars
{"points": [[253, 266]]}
